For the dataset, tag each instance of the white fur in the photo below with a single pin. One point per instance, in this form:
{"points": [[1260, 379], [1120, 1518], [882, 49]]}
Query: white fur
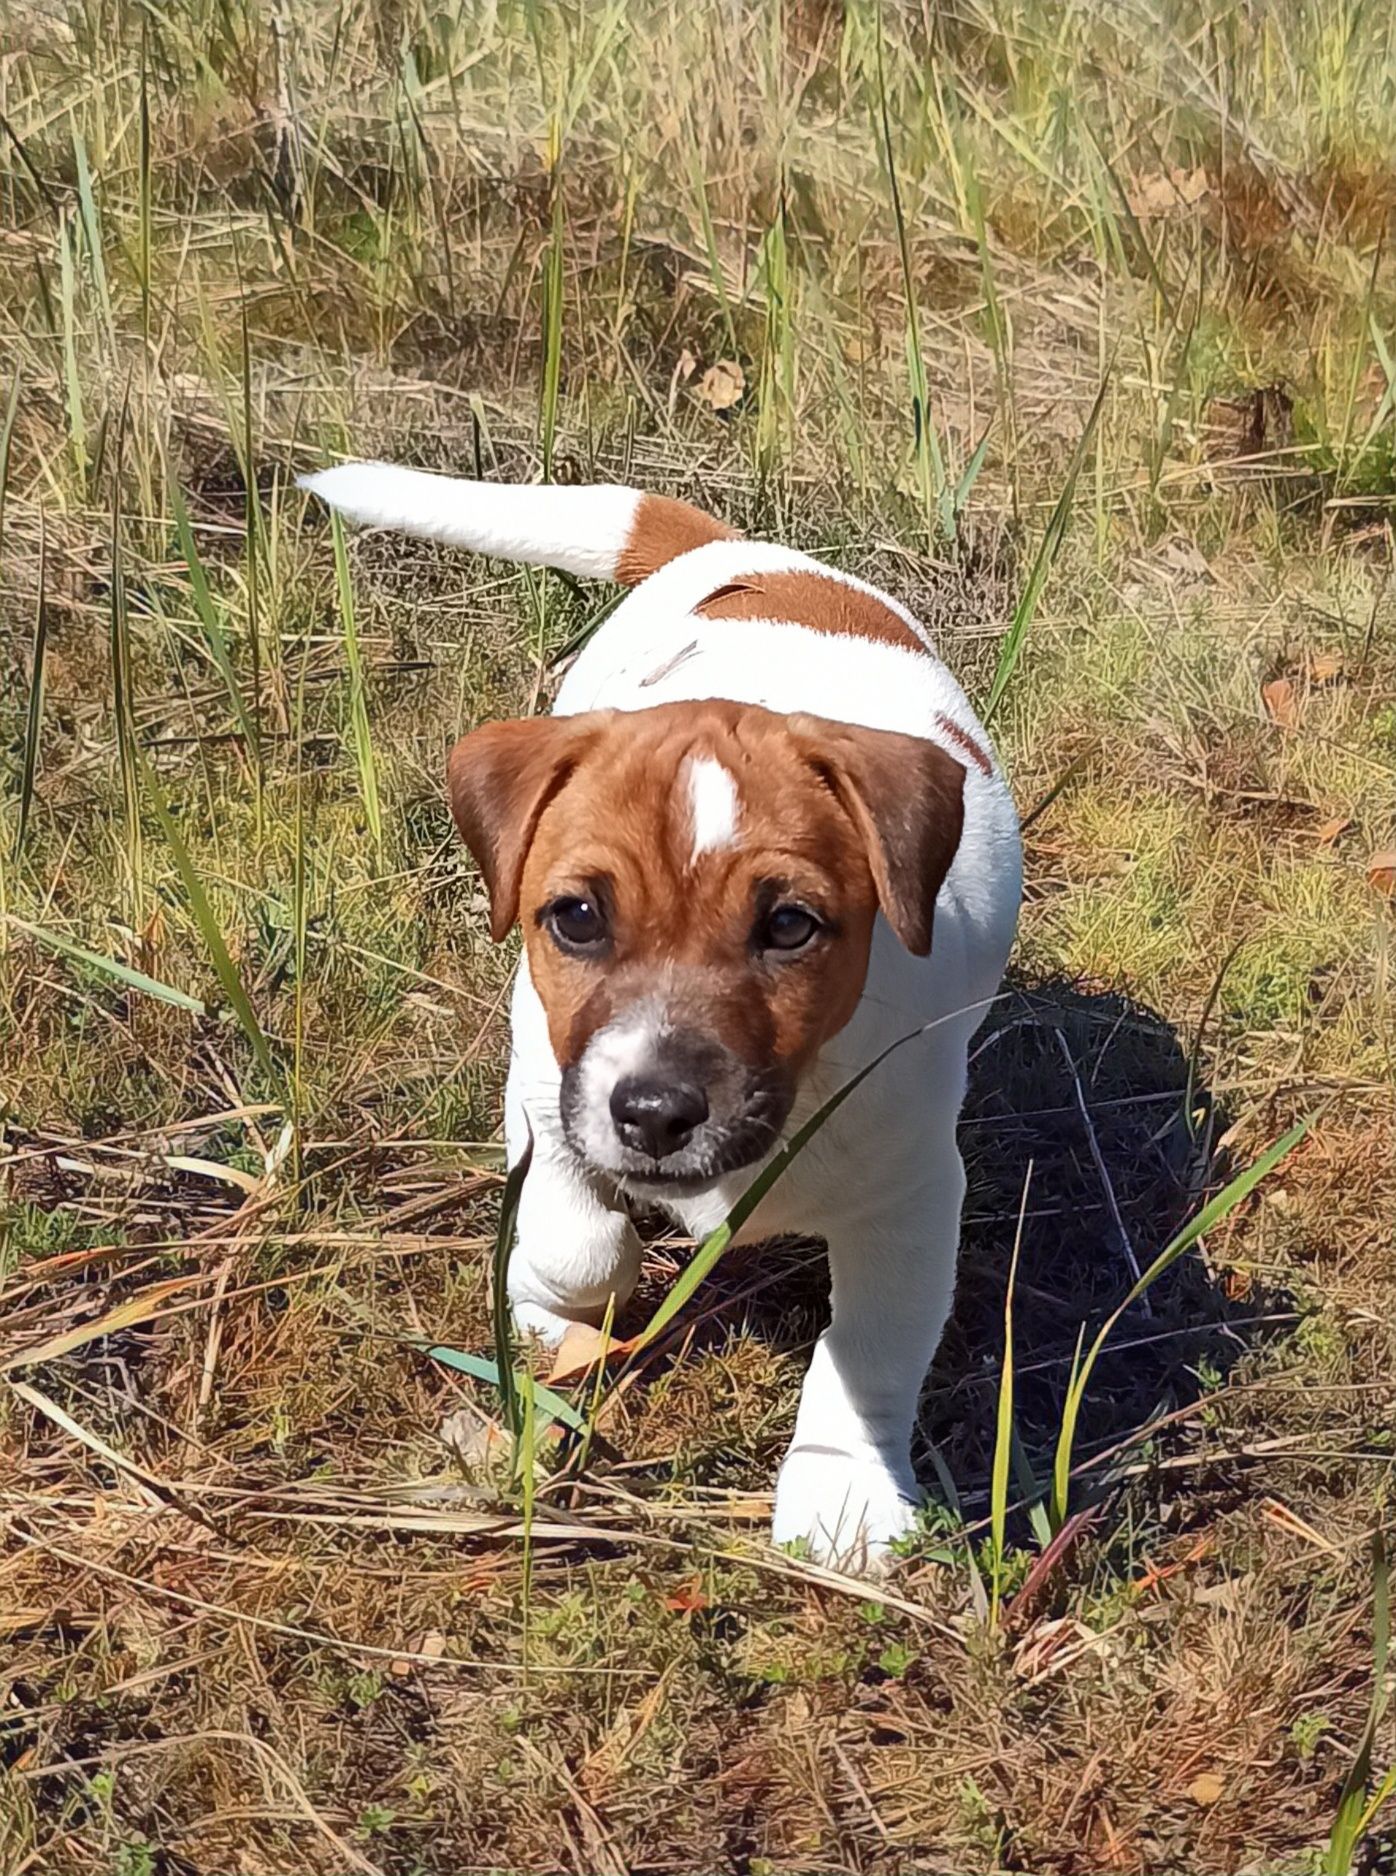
{"points": [[714, 804], [626, 1047], [882, 1182], [580, 529]]}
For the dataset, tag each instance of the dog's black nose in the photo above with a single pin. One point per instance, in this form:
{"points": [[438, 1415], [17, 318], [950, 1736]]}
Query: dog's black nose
{"points": [[657, 1117]]}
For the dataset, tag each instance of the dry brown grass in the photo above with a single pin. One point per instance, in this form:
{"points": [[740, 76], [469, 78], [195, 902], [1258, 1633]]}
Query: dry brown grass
{"points": [[253, 1615]]}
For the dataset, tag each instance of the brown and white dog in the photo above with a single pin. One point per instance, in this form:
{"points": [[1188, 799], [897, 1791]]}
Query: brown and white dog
{"points": [[761, 838]]}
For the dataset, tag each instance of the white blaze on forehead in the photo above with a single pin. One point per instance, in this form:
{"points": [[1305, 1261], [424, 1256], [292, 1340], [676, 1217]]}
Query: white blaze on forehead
{"points": [[713, 803]]}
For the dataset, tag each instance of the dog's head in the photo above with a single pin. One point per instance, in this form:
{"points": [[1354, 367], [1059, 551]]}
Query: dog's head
{"points": [[697, 885]]}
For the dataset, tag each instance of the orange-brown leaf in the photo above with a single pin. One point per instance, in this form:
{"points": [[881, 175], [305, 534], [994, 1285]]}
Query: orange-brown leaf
{"points": [[579, 1351], [687, 1598], [721, 385], [1381, 872], [1281, 702]]}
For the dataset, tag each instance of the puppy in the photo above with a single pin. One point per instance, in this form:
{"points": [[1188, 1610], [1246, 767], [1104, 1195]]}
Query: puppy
{"points": [[761, 838]]}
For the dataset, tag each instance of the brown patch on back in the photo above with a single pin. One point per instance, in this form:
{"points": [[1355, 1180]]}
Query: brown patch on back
{"points": [[965, 742], [818, 601], [662, 530]]}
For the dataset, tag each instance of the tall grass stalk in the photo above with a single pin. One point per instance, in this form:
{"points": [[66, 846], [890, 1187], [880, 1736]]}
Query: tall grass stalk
{"points": [[936, 501], [207, 922], [144, 198], [499, 1289], [1015, 639], [710, 253], [360, 732], [1357, 1811], [34, 706], [775, 417], [1212, 1214], [123, 688], [252, 524], [214, 636], [72, 382], [554, 278], [113, 968], [92, 237], [1003, 1434]]}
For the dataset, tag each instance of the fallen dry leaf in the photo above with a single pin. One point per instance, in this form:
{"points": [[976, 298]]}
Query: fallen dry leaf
{"points": [[687, 1598], [1281, 702], [1170, 189], [1381, 871], [721, 385], [686, 366], [1332, 830], [432, 1646], [580, 1350], [1206, 1788], [1324, 667]]}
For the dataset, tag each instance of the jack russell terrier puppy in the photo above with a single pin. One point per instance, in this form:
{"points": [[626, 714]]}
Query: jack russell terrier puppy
{"points": [[761, 838]]}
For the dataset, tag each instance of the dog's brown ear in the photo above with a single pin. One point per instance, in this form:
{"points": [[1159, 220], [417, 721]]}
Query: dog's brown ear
{"points": [[499, 779], [906, 798]]}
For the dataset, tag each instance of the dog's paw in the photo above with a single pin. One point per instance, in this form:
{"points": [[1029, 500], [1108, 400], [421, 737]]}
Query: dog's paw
{"points": [[847, 1512], [537, 1320]]}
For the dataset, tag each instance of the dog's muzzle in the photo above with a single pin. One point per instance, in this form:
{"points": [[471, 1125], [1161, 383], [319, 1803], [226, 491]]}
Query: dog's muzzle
{"points": [[654, 1105]]}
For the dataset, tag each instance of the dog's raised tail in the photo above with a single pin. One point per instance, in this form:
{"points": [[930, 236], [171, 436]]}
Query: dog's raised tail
{"points": [[595, 531]]}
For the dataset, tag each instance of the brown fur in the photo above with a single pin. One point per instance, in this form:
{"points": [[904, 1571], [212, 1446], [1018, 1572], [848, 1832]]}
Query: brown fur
{"points": [[662, 530], [842, 819], [963, 740], [816, 600]]}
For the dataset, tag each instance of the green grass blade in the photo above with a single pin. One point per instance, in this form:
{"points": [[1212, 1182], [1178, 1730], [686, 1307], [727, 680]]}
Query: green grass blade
{"points": [[109, 967], [144, 194], [207, 923], [553, 287], [361, 735], [252, 512], [34, 711], [123, 682], [930, 462], [505, 1378], [965, 485], [717, 1241], [7, 430], [1049, 547], [481, 1368], [715, 273], [1003, 1432], [1354, 1812], [72, 384], [92, 235], [1030, 1490], [1217, 1208], [214, 636]]}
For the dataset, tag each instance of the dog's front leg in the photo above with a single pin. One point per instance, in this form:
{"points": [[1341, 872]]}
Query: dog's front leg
{"points": [[575, 1246], [574, 1252], [846, 1487]]}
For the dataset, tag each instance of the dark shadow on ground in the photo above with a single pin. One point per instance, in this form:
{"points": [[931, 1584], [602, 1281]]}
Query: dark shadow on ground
{"points": [[1109, 1187], [1048, 1048]]}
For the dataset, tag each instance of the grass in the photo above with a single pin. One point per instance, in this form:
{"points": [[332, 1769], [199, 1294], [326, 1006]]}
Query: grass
{"points": [[254, 1613]]}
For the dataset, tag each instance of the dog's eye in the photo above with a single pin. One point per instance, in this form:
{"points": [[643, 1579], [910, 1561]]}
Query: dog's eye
{"points": [[787, 928], [577, 924]]}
